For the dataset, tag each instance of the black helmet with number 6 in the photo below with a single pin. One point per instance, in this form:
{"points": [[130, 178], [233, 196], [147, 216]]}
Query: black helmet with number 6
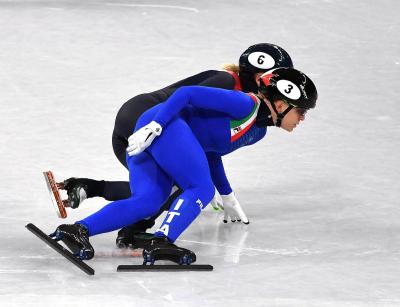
{"points": [[261, 58], [290, 85]]}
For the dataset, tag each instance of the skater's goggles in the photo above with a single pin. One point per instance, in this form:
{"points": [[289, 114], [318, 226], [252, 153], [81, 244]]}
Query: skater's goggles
{"points": [[299, 111]]}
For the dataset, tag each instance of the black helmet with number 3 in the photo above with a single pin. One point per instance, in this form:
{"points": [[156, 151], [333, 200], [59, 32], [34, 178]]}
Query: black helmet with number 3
{"points": [[290, 85], [260, 58]]}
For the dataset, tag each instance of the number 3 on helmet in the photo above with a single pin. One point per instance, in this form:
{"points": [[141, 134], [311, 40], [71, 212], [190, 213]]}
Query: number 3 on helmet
{"points": [[289, 85]]}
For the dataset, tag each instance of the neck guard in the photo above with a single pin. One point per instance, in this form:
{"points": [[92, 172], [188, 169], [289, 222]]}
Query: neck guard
{"points": [[264, 116]]}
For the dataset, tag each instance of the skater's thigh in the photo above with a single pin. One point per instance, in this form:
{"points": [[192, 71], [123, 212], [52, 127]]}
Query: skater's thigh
{"points": [[119, 145], [146, 117], [126, 120], [147, 179], [131, 111], [181, 156]]}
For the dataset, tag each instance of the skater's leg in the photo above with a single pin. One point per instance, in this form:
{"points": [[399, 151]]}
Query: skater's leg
{"points": [[185, 161], [116, 190], [181, 156], [79, 189], [148, 223], [119, 144], [125, 236], [174, 195], [150, 188], [132, 235]]}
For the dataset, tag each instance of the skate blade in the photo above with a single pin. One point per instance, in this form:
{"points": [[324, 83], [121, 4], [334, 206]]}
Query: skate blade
{"points": [[55, 196], [60, 249], [164, 267]]}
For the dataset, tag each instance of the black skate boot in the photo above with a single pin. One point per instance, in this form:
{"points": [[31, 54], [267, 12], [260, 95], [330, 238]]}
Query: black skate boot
{"points": [[135, 235], [160, 248], [77, 190], [76, 238]]}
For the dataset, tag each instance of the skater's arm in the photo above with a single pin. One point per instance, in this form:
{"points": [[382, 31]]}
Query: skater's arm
{"points": [[233, 211], [218, 174], [235, 104]]}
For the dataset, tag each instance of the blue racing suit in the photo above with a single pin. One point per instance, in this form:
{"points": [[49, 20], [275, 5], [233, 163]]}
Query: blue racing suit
{"points": [[200, 124]]}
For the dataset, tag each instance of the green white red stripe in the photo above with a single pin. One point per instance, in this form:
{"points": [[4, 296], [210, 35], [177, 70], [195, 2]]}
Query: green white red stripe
{"points": [[240, 127]]}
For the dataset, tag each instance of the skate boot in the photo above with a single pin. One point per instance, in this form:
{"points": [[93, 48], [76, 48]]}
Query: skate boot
{"points": [[135, 235], [160, 248], [76, 238], [77, 190]]}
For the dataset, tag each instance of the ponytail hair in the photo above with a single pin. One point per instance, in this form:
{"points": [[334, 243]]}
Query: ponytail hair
{"points": [[231, 67]]}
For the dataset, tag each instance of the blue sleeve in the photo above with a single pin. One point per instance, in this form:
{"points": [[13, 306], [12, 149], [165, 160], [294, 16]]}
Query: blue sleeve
{"points": [[218, 174], [233, 103]]}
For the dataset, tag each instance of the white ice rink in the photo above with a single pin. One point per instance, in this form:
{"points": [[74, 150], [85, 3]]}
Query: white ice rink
{"points": [[323, 201]]}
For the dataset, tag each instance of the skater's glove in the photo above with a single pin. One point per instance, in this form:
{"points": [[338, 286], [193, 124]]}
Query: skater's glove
{"points": [[233, 210], [143, 138]]}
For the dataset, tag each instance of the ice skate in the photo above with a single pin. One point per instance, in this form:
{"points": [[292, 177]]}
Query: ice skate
{"points": [[76, 238], [135, 236], [60, 249], [160, 248], [77, 191], [134, 240]]}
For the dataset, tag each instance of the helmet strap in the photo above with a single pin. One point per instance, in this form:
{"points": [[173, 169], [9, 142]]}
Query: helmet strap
{"points": [[280, 116]]}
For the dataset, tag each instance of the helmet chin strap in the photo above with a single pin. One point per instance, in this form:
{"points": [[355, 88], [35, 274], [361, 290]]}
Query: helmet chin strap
{"points": [[280, 116]]}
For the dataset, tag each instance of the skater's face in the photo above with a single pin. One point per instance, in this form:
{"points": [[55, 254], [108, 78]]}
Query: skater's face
{"points": [[292, 118]]}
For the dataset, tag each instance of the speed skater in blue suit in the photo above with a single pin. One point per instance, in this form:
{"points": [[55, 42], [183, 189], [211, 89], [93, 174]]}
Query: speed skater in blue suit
{"points": [[174, 141], [253, 62]]}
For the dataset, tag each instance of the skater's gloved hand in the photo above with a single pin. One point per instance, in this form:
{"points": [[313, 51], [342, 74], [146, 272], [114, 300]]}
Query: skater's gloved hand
{"points": [[233, 210], [142, 138]]}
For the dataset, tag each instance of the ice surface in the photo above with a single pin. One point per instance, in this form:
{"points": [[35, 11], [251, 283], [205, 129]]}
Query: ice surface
{"points": [[323, 201]]}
